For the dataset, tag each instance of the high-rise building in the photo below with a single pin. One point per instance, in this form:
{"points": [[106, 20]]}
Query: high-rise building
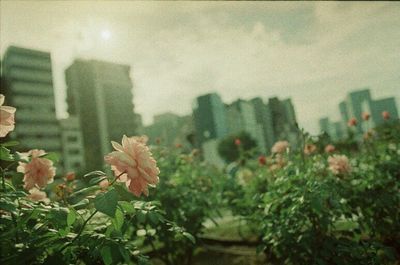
{"points": [[72, 145], [324, 125], [344, 114], [170, 129], [28, 86], [209, 118], [241, 116], [264, 118], [338, 130], [385, 104], [100, 95], [358, 102], [284, 120]]}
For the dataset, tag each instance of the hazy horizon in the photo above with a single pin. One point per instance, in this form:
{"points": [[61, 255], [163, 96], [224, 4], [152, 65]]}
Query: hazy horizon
{"points": [[313, 52]]}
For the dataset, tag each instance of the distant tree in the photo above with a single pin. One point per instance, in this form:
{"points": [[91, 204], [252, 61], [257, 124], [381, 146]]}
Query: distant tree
{"points": [[229, 148]]}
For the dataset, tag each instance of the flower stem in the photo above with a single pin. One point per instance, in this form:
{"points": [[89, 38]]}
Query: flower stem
{"points": [[80, 231], [117, 177], [88, 219]]}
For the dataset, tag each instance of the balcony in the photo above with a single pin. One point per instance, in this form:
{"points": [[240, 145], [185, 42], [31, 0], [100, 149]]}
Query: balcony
{"points": [[30, 75], [33, 89]]}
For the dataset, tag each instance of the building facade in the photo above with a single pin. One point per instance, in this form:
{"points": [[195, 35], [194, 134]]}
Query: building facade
{"points": [[170, 129], [209, 118], [381, 105], [284, 120], [73, 152], [241, 116], [100, 95], [358, 102], [28, 86], [264, 118]]}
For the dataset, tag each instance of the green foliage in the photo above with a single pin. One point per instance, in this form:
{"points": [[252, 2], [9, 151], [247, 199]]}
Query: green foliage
{"points": [[230, 151], [304, 214], [81, 224], [300, 211], [189, 193]]}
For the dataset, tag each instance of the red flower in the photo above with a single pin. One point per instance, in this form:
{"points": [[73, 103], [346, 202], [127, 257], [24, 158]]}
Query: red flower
{"points": [[70, 176], [237, 142], [352, 122], [262, 160]]}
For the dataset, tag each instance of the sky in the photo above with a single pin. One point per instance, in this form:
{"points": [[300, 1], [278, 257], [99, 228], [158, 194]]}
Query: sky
{"points": [[313, 52]]}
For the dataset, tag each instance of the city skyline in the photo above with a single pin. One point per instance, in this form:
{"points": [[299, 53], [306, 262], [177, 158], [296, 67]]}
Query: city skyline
{"points": [[311, 52]]}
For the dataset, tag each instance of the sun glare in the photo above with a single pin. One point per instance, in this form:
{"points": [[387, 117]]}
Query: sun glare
{"points": [[106, 34]]}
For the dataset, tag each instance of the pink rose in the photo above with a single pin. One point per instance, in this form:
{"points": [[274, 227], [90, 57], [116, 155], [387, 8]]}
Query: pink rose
{"points": [[329, 148], [37, 195], [280, 147], [339, 164], [38, 172], [134, 161], [6, 118]]}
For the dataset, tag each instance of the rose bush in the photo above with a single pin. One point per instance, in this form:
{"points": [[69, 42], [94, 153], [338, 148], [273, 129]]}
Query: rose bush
{"points": [[80, 219], [323, 208]]}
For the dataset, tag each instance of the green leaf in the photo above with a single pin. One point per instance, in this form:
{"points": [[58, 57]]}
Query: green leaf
{"points": [[96, 180], [5, 154], [123, 194], [106, 255], [127, 206], [141, 217], [153, 218], [118, 220], [82, 204], [7, 205], [10, 143], [95, 173], [71, 217], [190, 237], [106, 202], [52, 156]]}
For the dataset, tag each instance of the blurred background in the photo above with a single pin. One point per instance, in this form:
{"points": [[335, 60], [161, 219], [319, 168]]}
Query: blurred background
{"points": [[82, 73]]}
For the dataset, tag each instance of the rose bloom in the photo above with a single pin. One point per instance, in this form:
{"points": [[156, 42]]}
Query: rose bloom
{"points": [[280, 147], [134, 161], [6, 118], [37, 195], [238, 142], [352, 122], [38, 172], [365, 116], [280, 162], [329, 148], [262, 160], [309, 149], [385, 115], [339, 164], [70, 176]]}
